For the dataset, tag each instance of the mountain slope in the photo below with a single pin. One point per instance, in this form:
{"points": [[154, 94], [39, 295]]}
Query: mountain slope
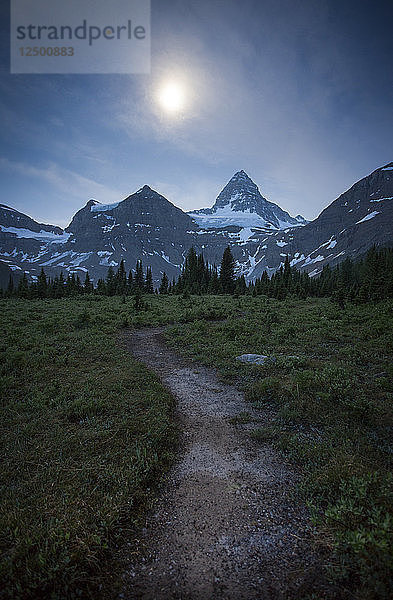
{"points": [[359, 218], [9, 217], [23, 241]]}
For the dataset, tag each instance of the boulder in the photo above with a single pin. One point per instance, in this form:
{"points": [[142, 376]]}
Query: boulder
{"points": [[255, 359]]}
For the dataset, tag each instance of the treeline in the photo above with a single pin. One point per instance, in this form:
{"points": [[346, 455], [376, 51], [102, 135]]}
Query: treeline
{"points": [[197, 277], [115, 283], [368, 279]]}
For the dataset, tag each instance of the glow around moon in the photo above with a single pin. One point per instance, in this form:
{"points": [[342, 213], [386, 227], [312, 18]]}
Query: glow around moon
{"points": [[171, 97]]}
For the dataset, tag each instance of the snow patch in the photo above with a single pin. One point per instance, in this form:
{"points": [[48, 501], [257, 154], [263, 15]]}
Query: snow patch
{"points": [[245, 234], [339, 254], [297, 258], [103, 207], [107, 228], [329, 244], [2, 207], [45, 236], [310, 261], [368, 217], [76, 258], [109, 217], [314, 272], [166, 258]]}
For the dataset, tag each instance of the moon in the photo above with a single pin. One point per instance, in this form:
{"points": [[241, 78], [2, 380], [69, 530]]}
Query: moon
{"points": [[171, 97]]}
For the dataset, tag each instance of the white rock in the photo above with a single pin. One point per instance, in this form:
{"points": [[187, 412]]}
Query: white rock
{"points": [[256, 359]]}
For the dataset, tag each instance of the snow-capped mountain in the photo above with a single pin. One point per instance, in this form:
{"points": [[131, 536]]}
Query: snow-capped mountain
{"points": [[359, 218], [23, 242], [241, 203], [13, 221], [147, 226]]}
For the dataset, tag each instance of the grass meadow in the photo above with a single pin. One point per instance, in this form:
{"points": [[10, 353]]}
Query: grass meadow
{"points": [[87, 432]]}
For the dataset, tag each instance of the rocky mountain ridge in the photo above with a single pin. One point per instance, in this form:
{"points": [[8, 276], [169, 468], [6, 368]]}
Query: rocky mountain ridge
{"points": [[146, 226]]}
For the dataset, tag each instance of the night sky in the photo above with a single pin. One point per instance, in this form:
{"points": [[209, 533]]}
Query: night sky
{"points": [[299, 94]]}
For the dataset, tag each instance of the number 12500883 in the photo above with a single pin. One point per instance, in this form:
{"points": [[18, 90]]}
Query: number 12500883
{"points": [[46, 50]]}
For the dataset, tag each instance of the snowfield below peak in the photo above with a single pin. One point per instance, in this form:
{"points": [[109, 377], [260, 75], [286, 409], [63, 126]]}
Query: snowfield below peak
{"points": [[225, 217]]}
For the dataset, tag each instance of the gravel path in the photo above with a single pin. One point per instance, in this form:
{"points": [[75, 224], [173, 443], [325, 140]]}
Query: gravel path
{"points": [[224, 526]]}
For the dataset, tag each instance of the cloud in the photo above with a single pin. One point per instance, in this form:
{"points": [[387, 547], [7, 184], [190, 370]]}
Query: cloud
{"points": [[70, 189], [64, 180]]}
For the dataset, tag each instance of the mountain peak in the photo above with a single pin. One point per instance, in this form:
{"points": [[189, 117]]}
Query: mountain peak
{"points": [[92, 202], [242, 178], [146, 189], [240, 189], [241, 175], [241, 203]]}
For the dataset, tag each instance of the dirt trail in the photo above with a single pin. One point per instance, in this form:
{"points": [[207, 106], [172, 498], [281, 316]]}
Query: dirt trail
{"points": [[224, 526]]}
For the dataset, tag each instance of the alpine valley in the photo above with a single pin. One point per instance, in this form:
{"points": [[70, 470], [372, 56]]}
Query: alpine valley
{"points": [[147, 226]]}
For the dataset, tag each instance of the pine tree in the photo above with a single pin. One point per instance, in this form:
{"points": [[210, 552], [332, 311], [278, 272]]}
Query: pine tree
{"points": [[240, 286], [149, 288], [191, 267], [227, 272], [287, 269], [339, 297], [61, 289], [101, 287], [42, 285], [23, 287], [121, 279], [110, 282], [78, 286], [214, 286], [10, 286], [87, 286], [164, 284], [139, 279], [138, 300], [363, 295], [130, 283]]}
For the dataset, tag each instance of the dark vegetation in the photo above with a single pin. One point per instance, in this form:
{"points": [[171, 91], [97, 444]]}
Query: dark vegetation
{"points": [[86, 431], [370, 278]]}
